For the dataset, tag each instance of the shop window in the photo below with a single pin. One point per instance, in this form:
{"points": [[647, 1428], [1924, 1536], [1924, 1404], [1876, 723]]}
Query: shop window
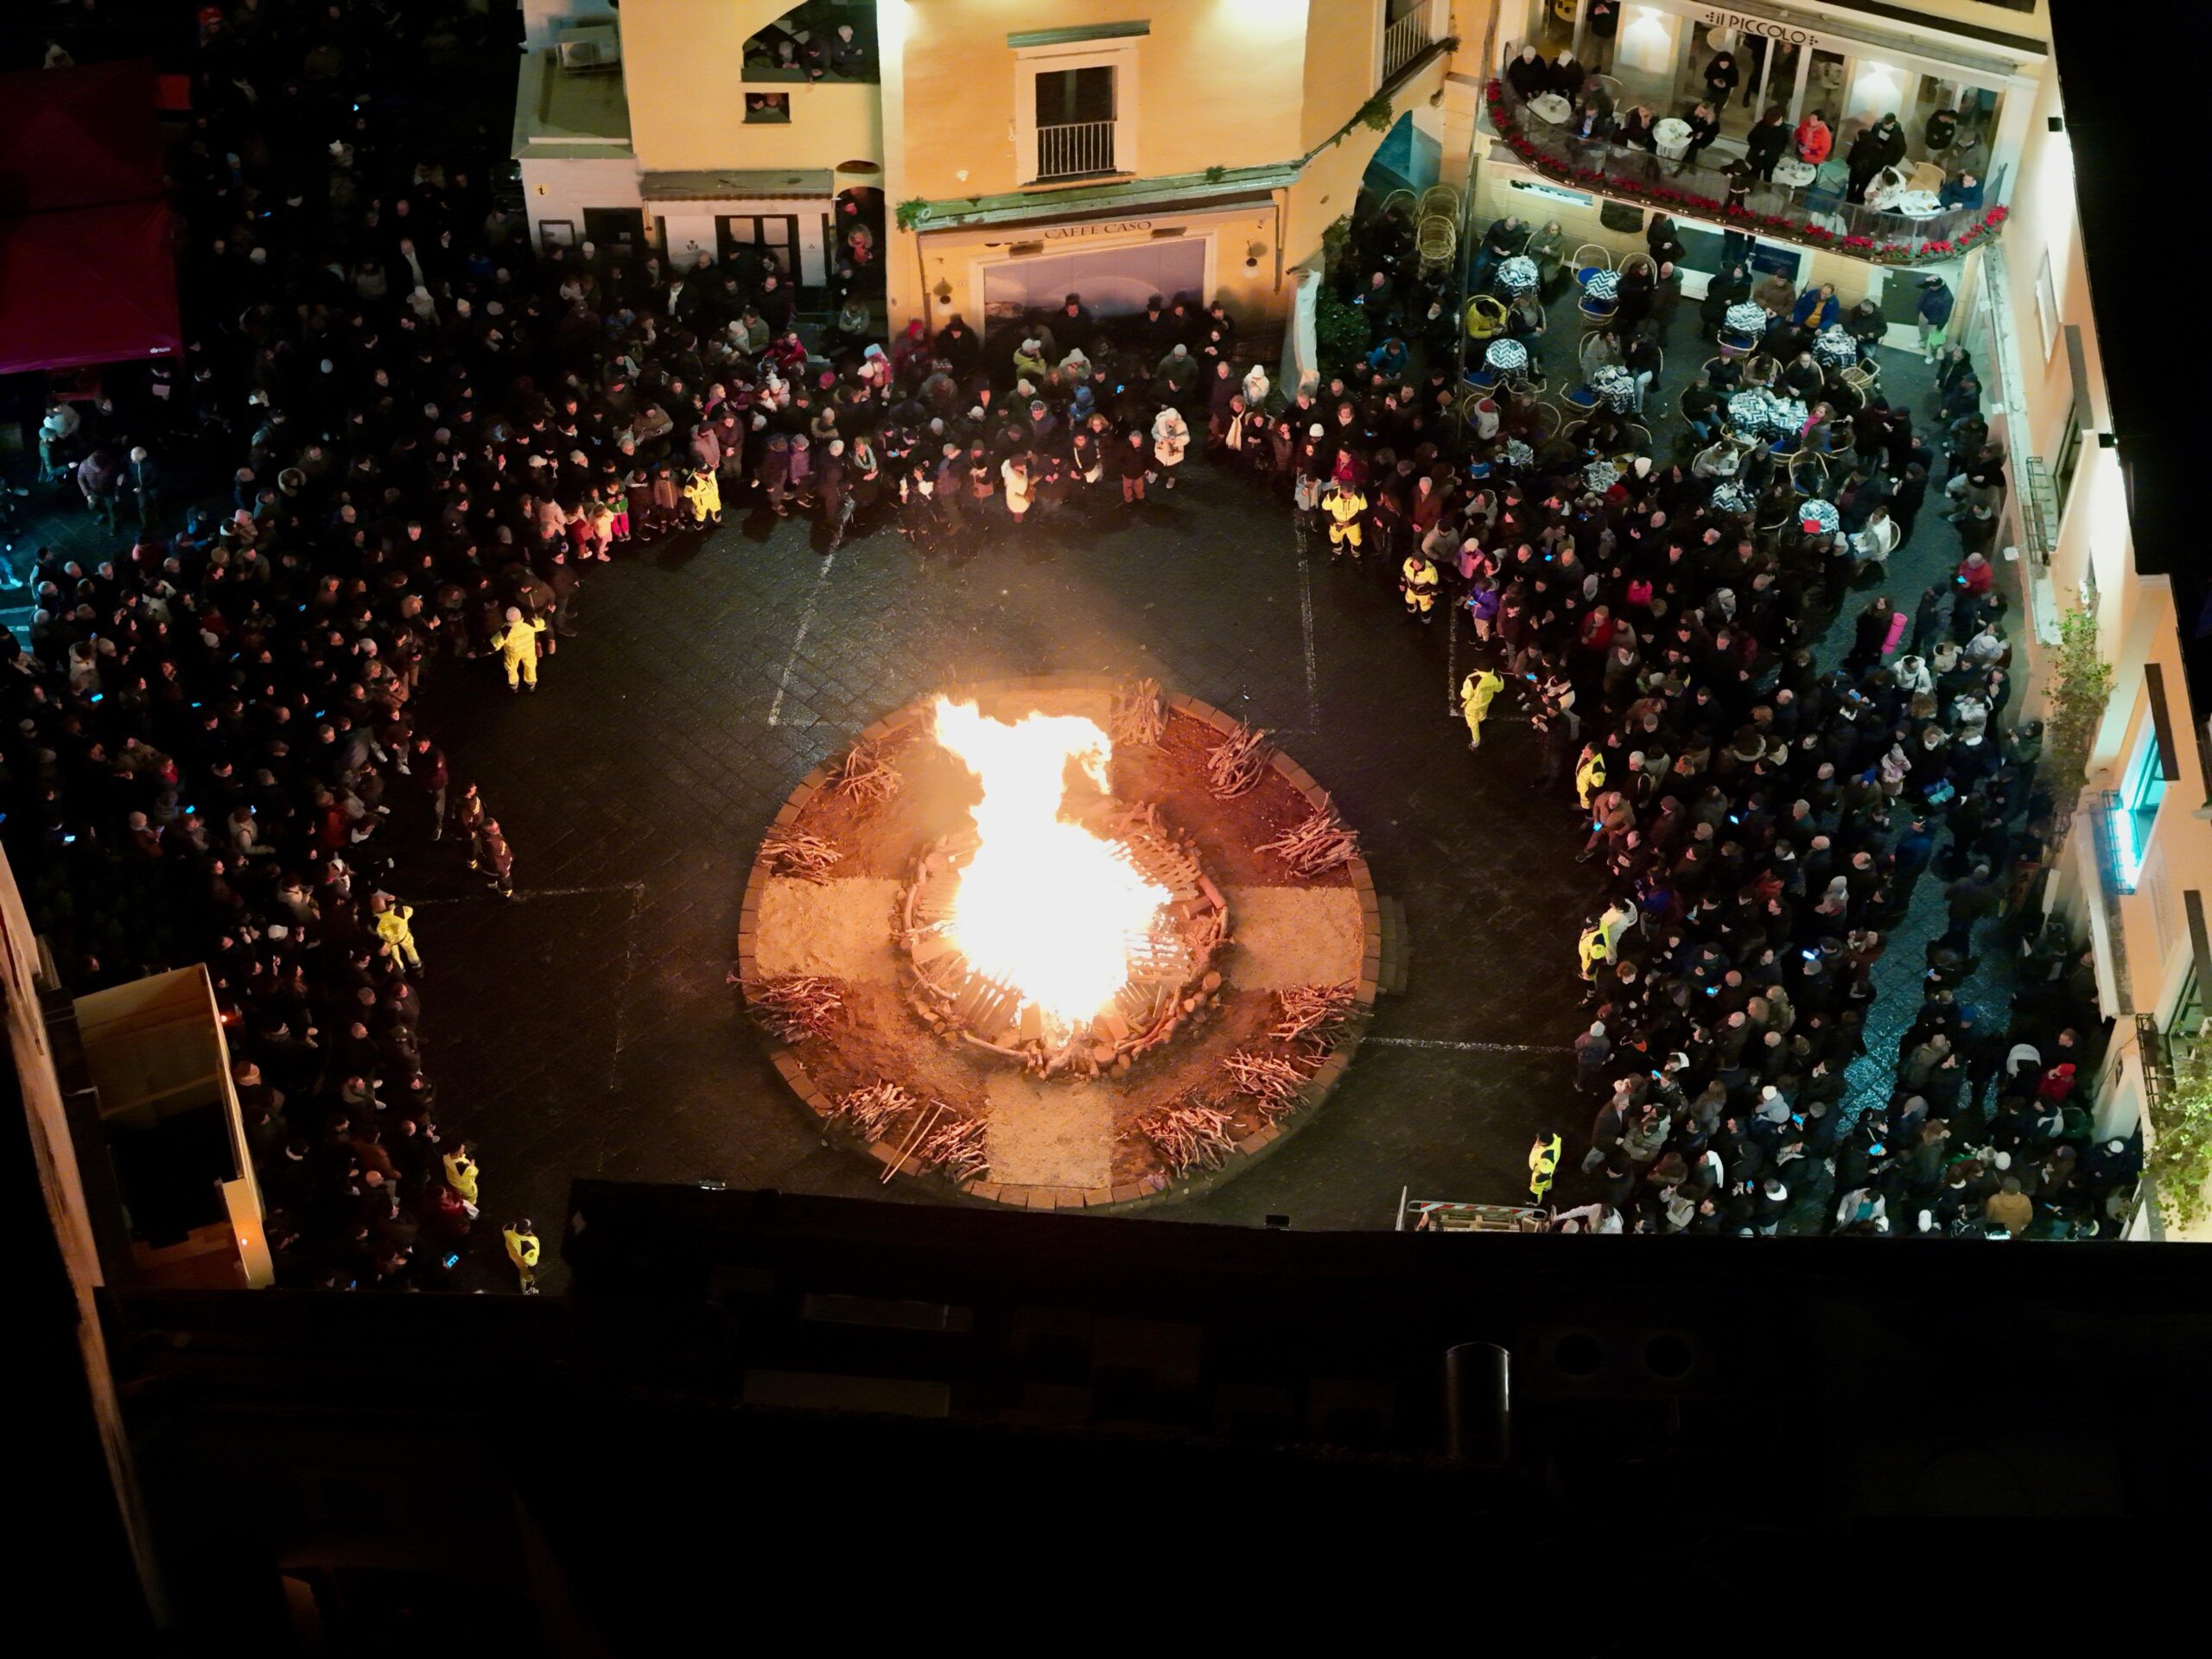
{"points": [[767, 106]]}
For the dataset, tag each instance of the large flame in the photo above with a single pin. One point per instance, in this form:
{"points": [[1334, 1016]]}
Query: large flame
{"points": [[1045, 905]]}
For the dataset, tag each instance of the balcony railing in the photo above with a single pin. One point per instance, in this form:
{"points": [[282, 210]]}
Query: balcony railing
{"points": [[1076, 150], [1814, 215], [1404, 40]]}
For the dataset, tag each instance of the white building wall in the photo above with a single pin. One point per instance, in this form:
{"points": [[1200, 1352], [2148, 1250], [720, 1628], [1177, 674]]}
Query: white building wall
{"points": [[543, 20], [563, 188]]}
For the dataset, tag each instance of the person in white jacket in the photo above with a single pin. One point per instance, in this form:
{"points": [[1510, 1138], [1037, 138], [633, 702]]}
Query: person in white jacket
{"points": [[1171, 442], [1020, 490], [1874, 545]]}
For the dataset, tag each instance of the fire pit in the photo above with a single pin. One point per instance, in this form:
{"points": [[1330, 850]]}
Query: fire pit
{"points": [[1061, 943]]}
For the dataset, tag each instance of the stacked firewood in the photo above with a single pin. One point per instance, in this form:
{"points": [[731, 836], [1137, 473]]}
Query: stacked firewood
{"points": [[1311, 1013], [875, 1109], [793, 852], [956, 1145], [797, 1006], [865, 775], [1236, 766], [1140, 714], [1271, 1080], [1319, 845], [1186, 1135]]}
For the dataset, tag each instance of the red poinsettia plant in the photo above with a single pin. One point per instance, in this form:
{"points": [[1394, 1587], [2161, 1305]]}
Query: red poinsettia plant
{"points": [[1779, 225]]}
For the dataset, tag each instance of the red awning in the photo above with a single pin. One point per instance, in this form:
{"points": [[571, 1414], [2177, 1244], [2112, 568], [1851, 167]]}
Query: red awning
{"points": [[87, 285], [79, 138]]}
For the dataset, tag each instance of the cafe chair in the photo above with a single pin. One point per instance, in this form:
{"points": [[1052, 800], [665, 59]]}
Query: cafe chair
{"points": [[1591, 256]]}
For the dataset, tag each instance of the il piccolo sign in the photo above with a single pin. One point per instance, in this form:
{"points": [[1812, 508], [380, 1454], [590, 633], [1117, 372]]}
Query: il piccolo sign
{"points": [[1717, 18]]}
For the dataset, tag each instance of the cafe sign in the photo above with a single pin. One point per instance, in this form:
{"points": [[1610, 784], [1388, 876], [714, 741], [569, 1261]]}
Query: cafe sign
{"points": [[1101, 227], [1742, 22]]}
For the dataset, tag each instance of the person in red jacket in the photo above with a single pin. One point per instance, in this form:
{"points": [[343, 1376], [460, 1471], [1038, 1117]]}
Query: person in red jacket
{"points": [[1975, 574]]}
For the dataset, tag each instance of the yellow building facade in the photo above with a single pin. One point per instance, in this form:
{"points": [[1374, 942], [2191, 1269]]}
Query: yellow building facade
{"points": [[1024, 150]]}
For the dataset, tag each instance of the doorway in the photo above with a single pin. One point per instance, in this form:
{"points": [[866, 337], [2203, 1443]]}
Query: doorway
{"points": [[750, 242], [618, 230]]}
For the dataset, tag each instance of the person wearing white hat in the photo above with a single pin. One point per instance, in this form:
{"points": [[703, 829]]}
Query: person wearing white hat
{"points": [[517, 643]]}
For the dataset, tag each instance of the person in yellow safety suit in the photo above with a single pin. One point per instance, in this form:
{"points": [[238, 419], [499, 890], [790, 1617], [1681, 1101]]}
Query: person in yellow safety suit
{"points": [[1589, 775], [1344, 509], [1543, 1165], [517, 644], [1599, 943], [393, 928], [1417, 581], [1475, 694], [522, 1250], [460, 1174], [705, 496]]}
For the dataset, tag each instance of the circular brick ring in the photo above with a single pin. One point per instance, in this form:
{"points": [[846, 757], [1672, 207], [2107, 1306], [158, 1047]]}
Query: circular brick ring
{"points": [[887, 1151]]}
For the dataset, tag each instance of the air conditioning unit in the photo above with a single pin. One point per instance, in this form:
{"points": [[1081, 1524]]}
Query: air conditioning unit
{"points": [[597, 45]]}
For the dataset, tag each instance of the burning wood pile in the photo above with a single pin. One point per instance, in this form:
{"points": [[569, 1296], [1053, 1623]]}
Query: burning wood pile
{"points": [[1170, 984], [1139, 716], [792, 852], [1236, 765], [1319, 845], [864, 775], [797, 1006]]}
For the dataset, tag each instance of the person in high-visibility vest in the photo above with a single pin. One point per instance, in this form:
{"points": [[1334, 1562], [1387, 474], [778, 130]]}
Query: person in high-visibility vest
{"points": [[1543, 1165], [522, 1250], [516, 643], [460, 1174], [1475, 694], [1589, 775], [1344, 508], [704, 497], [1593, 950], [394, 928], [1417, 581]]}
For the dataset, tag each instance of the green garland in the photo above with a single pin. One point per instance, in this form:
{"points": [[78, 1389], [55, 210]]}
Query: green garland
{"points": [[2180, 1157]]}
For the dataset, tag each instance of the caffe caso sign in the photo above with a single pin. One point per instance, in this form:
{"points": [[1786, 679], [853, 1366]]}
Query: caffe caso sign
{"points": [[1107, 228], [1748, 25]]}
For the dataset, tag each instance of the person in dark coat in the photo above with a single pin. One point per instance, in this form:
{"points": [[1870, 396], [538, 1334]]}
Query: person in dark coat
{"points": [[1881, 145], [1721, 76], [1766, 142]]}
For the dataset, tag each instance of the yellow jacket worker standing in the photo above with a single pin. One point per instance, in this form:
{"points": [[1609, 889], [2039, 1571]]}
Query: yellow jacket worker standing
{"points": [[1590, 776], [1343, 509], [1543, 1164], [522, 1250], [705, 497], [517, 644], [1475, 694], [1417, 581]]}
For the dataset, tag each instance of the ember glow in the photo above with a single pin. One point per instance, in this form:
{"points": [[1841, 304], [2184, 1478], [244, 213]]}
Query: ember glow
{"points": [[1045, 905]]}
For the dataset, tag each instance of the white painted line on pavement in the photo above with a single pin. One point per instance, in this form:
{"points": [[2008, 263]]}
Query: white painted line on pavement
{"points": [[1305, 620], [1470, 1048], [805, 622]]}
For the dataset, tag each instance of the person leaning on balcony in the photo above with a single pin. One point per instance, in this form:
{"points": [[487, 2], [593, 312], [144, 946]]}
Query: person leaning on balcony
{"points": [[1634, 130], [1765, 143], [1816, 144], [1529, 75]]}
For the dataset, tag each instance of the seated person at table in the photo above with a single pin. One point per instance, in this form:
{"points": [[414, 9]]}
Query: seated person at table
{"points": [[1964, 191], [1803, 376], [1587, 127], [1634, 131], [1566, 77], [1889, 184], [1866, 324], [1529, 75], [1817, 309], [1777, 293], [1701, 405], [1505, 238]]}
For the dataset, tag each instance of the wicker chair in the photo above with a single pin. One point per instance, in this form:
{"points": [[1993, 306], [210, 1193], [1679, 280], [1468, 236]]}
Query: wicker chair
{"points": [[1436, 241], [1761, 370], [1808, 475], [1593, 256], [1649, 265], [1597, 350], [1440, 200]]}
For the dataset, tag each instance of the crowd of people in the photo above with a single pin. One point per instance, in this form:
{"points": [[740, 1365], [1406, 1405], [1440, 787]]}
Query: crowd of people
{"points": [[430, 430], [1653, 585]]}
